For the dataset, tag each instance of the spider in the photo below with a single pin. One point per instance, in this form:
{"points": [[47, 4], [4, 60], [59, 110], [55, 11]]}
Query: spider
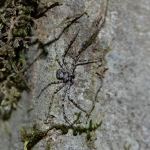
{"points": [[66, 74]]}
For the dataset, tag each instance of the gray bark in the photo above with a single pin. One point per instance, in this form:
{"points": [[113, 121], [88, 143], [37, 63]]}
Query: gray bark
{"points": [[124, 99]]}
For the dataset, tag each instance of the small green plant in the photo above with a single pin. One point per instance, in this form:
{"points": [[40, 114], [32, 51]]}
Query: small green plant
{"points": [[81, 129], [33, 137], [30, 139]]}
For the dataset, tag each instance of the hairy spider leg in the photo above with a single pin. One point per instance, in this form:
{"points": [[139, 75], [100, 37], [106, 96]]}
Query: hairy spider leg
{"points": [[55, 82], [57, 59], [72, 101], [84, 46], [63, 106], [55, 92], [90, 40], [95, 98], [66, 51], [98, 25]]}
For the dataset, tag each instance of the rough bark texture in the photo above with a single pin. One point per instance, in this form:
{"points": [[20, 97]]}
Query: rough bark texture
{"points": [[124, 99]]}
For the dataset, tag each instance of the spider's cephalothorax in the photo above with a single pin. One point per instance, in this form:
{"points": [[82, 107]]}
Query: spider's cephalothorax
{"points": [[66, 76]]}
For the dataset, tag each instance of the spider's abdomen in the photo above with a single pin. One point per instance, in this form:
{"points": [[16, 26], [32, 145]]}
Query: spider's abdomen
{"points": [[60, 74], [65, 76]]}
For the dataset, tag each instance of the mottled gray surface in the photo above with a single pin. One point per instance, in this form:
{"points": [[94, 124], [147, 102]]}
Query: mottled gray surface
{"points": [[124, 100]]}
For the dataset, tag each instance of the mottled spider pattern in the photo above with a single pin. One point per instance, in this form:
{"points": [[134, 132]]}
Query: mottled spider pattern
{"points": [[66, 74]]}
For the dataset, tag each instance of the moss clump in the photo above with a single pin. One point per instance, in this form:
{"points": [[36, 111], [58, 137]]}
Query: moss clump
{"points": [[10, 96], [30, 139], [81, 129], [15, 25], [16, 21]]}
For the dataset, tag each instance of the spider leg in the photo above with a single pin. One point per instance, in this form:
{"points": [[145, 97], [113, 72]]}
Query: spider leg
{"points": [[84, 46], [55, 92], [55, 82], [72, 101], [57, 59], [63, 106], [66, 51], [99, 24], [95, 99], [86, 62]]}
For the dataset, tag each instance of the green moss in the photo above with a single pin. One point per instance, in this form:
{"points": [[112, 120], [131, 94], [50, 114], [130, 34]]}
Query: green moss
{"points": [[19, 32], [17, 20], [15, 25], [48, 147], [64, 129], [81, 129], [33, 137], [10, 96]]}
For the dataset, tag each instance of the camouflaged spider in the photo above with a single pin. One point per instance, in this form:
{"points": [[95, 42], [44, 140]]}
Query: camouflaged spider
{"points": [[66, 74]]}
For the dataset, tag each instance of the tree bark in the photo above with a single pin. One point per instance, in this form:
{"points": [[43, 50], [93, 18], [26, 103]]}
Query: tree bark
{"points": [[122, 92]]}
